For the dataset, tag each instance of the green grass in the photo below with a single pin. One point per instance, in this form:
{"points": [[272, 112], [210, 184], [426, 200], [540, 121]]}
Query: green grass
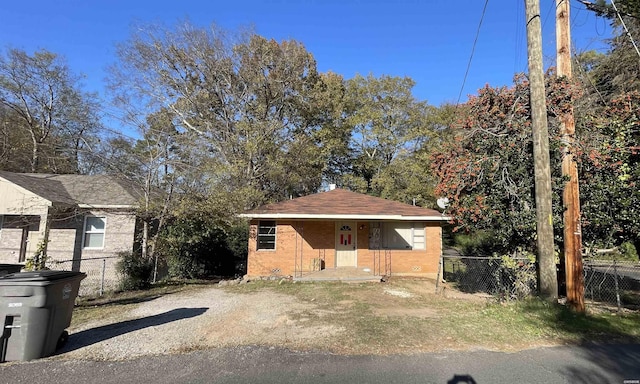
{"points": [[601, 326], [371, 325]]}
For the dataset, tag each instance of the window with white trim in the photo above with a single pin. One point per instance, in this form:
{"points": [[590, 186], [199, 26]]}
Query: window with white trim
{"points": [[419, 236], [266, 235], [398, 235], [94, 231]]}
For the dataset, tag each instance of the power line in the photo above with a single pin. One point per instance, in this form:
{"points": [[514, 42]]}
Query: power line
{"points": [[519, 36], [475, 41], [552, 7], [625, 27], [544, 23], [585, 75]]}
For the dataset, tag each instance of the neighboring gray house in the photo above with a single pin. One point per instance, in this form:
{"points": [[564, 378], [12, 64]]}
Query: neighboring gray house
{"points": [[87, 217]]}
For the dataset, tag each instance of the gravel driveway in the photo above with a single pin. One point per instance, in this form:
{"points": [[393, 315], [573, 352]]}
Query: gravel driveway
{"points": [[196, 319]]}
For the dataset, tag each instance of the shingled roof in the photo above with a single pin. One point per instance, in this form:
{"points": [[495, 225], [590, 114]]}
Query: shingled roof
{"points": [[100, 191], [344, 204]]}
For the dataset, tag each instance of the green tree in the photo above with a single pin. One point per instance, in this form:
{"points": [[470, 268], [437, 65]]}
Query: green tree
{"points": [[487, 170], [610, 173], [383, 114], [153, 164], [609, 131], [243, 100], [332, 133], [53, 119], [409, 177], [14, 143], [618, 71]]}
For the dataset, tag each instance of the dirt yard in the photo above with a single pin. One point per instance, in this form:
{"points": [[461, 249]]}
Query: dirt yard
{"points": [[401, 316]]}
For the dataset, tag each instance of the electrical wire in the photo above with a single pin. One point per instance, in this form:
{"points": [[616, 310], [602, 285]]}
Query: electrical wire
{"points": [[549, 42], [519, 36], [547, 16], [475, 41], [625, 28]]}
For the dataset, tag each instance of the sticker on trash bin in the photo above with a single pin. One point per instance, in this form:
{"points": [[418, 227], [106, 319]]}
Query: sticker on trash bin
{"points": [[66, 291], [15, 305]]}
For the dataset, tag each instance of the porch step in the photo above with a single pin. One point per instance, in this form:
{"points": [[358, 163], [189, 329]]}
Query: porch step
{"points": [[343, 274], [371, 279]]}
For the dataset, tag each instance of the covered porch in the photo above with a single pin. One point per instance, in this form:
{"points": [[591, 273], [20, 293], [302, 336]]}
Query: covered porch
{"points": [[341, 235]]}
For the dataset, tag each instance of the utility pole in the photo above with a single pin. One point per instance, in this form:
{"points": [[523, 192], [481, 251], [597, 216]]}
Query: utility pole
{"points": [[547, 276], [571, 194]]}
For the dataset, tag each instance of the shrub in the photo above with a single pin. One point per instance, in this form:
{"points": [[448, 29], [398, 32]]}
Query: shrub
{"points": [[39, 259], [237, 240], [517, 277], [197, 248], [628, 251], [136, 271], [507, 277], [475, 244]]}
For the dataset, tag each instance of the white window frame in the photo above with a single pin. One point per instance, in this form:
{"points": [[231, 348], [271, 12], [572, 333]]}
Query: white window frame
{"points": [[414, 236], [85, 232], [419, 232], [274, 234]]}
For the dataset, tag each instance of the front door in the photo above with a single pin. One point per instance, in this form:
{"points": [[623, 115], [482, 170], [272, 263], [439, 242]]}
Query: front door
{"points": [[346, 244]]}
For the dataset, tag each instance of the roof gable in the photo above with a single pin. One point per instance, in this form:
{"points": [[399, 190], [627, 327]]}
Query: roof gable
{"points": [[341, 203]]}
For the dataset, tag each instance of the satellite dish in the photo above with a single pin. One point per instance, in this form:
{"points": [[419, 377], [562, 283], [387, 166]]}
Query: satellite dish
{"points": [[443, 202]]}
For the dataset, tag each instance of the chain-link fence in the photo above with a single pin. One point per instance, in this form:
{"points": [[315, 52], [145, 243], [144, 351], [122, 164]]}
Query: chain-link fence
{"points": [[613, 281], [506, 278], [102, 275], [608, 281]]}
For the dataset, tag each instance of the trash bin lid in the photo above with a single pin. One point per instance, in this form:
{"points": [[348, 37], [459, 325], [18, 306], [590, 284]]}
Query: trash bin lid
{"points": [[40, 276], [10, 265]]}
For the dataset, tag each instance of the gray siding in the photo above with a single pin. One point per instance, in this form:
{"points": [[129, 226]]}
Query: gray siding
{"points": [[65, 237]]}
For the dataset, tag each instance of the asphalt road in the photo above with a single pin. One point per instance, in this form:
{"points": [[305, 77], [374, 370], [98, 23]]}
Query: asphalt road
{"points": [[631, 272], [575, 364]]}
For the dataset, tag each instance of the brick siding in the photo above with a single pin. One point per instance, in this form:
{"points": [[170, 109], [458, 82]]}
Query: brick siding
{"points": [[300, 244]]}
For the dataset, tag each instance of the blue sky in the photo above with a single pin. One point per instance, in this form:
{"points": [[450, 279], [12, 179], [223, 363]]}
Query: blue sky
{"points": [[427, 40]]}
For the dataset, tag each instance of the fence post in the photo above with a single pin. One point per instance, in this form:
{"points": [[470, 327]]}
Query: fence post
{"points": [[615, 275], [588, 272], [502, 288], [440, 271], [104, 267]]}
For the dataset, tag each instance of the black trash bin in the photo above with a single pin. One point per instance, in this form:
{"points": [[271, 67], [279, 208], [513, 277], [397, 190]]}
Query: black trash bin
{"points": [[35, 310], [6, 269]]}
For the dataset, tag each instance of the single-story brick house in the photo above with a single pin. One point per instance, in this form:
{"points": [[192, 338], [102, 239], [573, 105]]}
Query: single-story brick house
{"points": [[84, 217], [340, 229]]}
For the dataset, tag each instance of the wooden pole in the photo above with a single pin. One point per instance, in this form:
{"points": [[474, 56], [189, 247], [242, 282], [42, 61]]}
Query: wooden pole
{"points": [[547, 276], [571, 193]]}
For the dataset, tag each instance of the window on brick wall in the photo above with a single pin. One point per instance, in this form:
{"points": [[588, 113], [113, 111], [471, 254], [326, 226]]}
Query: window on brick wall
{"points": [[266, 235], [398, 235], [94, 231]]}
